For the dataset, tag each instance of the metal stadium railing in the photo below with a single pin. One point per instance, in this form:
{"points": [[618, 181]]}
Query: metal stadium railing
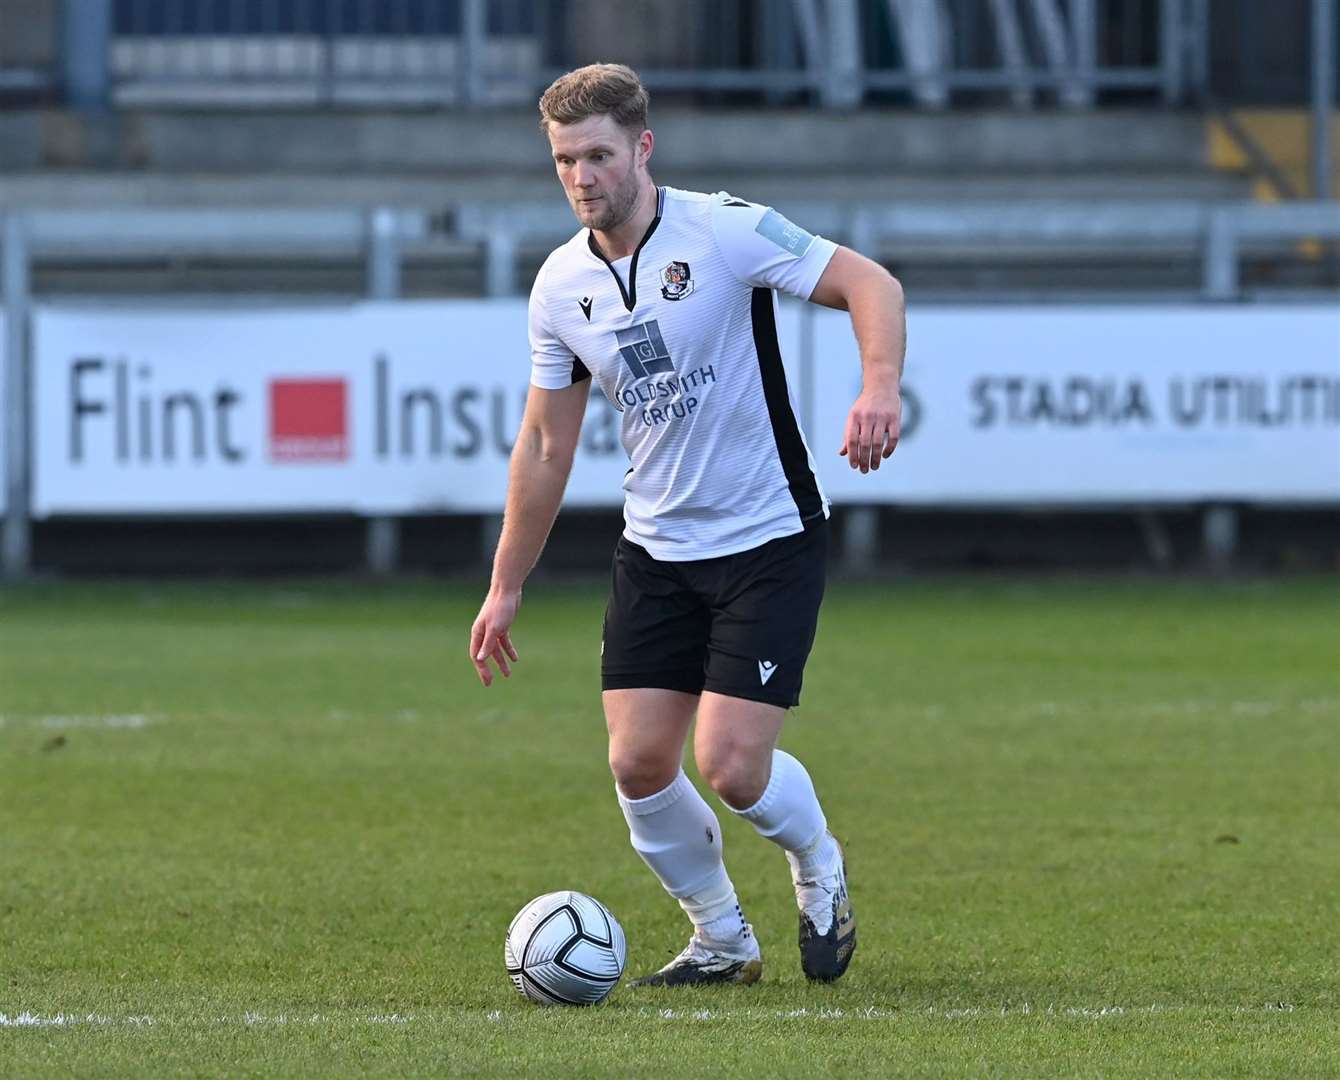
{"points": [[380, 237], [1218, 234]]}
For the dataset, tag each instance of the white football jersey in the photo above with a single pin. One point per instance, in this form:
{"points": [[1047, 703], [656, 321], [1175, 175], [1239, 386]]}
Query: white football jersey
{"points": [[682, 338]]}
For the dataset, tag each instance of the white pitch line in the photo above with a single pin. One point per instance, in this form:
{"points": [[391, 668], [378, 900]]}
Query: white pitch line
{"points": [[28, 1019], [700, 1015], [59, 722], [125, 720]]}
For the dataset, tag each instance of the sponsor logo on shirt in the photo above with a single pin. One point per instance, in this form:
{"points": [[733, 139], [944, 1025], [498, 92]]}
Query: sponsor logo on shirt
{"points": [[772, 226], [643, 349], [669, 397]]}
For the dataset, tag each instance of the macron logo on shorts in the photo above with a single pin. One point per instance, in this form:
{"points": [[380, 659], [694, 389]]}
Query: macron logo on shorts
{"points": [[765, 670]]}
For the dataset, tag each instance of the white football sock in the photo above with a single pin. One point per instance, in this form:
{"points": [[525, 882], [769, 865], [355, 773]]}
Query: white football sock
{"points": [[788, 813], [679, 837]]}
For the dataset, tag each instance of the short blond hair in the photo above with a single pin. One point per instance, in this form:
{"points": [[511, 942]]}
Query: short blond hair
{"points": [[596, 90]]}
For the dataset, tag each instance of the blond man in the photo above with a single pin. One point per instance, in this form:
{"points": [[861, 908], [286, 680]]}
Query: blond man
{"points": [[667, 299]]}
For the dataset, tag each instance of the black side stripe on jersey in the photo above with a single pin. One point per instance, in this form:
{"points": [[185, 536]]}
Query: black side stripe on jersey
{"points": [[629, 294], [579, 370], [790, 446]]}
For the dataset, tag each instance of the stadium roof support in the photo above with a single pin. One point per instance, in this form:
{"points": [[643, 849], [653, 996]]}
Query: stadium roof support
{"points": [[1323, 96], [87, 33], [16, 544], [382, 537]]}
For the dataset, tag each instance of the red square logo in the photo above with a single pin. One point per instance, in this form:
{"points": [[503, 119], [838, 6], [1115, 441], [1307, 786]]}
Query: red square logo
{"points": [[309, 420]]}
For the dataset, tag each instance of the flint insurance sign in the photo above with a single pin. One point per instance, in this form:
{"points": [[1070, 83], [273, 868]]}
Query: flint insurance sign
{"points": [[369, 409], [398, 408]]}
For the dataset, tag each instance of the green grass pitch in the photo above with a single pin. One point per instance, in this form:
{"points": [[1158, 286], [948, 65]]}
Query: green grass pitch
{"points": [[1093, 829]]}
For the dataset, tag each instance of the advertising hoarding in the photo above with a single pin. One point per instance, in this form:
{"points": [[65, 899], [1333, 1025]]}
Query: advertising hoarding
{"points": [[411, 407]]}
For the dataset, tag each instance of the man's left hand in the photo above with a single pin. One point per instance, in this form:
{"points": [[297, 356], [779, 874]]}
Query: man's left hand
{"points": [[873, 426]]}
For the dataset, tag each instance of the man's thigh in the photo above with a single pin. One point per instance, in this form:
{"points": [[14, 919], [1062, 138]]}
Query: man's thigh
{"points": [[764, 617], [656, 626]]}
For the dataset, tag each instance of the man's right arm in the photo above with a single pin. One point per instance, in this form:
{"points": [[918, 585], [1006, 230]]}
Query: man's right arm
{"points": [[541, 461]]}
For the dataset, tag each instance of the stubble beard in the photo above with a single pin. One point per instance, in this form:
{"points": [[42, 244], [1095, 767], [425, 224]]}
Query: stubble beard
{"points": [[619, 203]]}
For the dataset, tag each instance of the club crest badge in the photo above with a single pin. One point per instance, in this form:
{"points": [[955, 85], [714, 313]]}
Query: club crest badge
{"points": [[676, 281]]}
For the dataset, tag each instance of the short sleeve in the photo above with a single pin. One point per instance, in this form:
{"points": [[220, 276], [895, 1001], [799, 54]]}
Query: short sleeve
{"points": [[553, 366], [765, 250]]}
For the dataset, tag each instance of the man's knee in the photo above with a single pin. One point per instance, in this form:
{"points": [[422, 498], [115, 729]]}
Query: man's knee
{"points": [[737, 773], [640, 772]]}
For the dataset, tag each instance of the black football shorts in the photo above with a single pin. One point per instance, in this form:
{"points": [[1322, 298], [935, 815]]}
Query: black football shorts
{"points": [[740, 625]]}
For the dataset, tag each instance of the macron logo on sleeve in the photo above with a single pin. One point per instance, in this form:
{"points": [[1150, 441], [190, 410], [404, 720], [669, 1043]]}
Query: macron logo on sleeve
{"points": [[766, 668]]}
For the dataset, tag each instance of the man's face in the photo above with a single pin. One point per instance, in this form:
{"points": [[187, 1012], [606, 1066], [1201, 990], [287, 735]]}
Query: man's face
{"points": [[602, 169]]}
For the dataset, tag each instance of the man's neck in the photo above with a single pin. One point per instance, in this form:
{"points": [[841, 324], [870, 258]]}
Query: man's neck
{"points": [[622, 240]]}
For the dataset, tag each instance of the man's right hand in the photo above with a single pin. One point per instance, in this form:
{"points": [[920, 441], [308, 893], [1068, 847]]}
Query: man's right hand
{"points": [[490, 636], [541, 460]]}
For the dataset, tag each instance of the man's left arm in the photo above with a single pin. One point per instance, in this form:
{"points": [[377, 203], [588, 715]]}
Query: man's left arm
{"points": [[872, 295]]}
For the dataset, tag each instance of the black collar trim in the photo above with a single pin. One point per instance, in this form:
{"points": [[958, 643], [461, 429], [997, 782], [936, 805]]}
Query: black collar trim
{"points": [[629, 294]]}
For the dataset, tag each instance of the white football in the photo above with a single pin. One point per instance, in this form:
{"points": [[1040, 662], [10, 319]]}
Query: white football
{"points": [[565, 948]]}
